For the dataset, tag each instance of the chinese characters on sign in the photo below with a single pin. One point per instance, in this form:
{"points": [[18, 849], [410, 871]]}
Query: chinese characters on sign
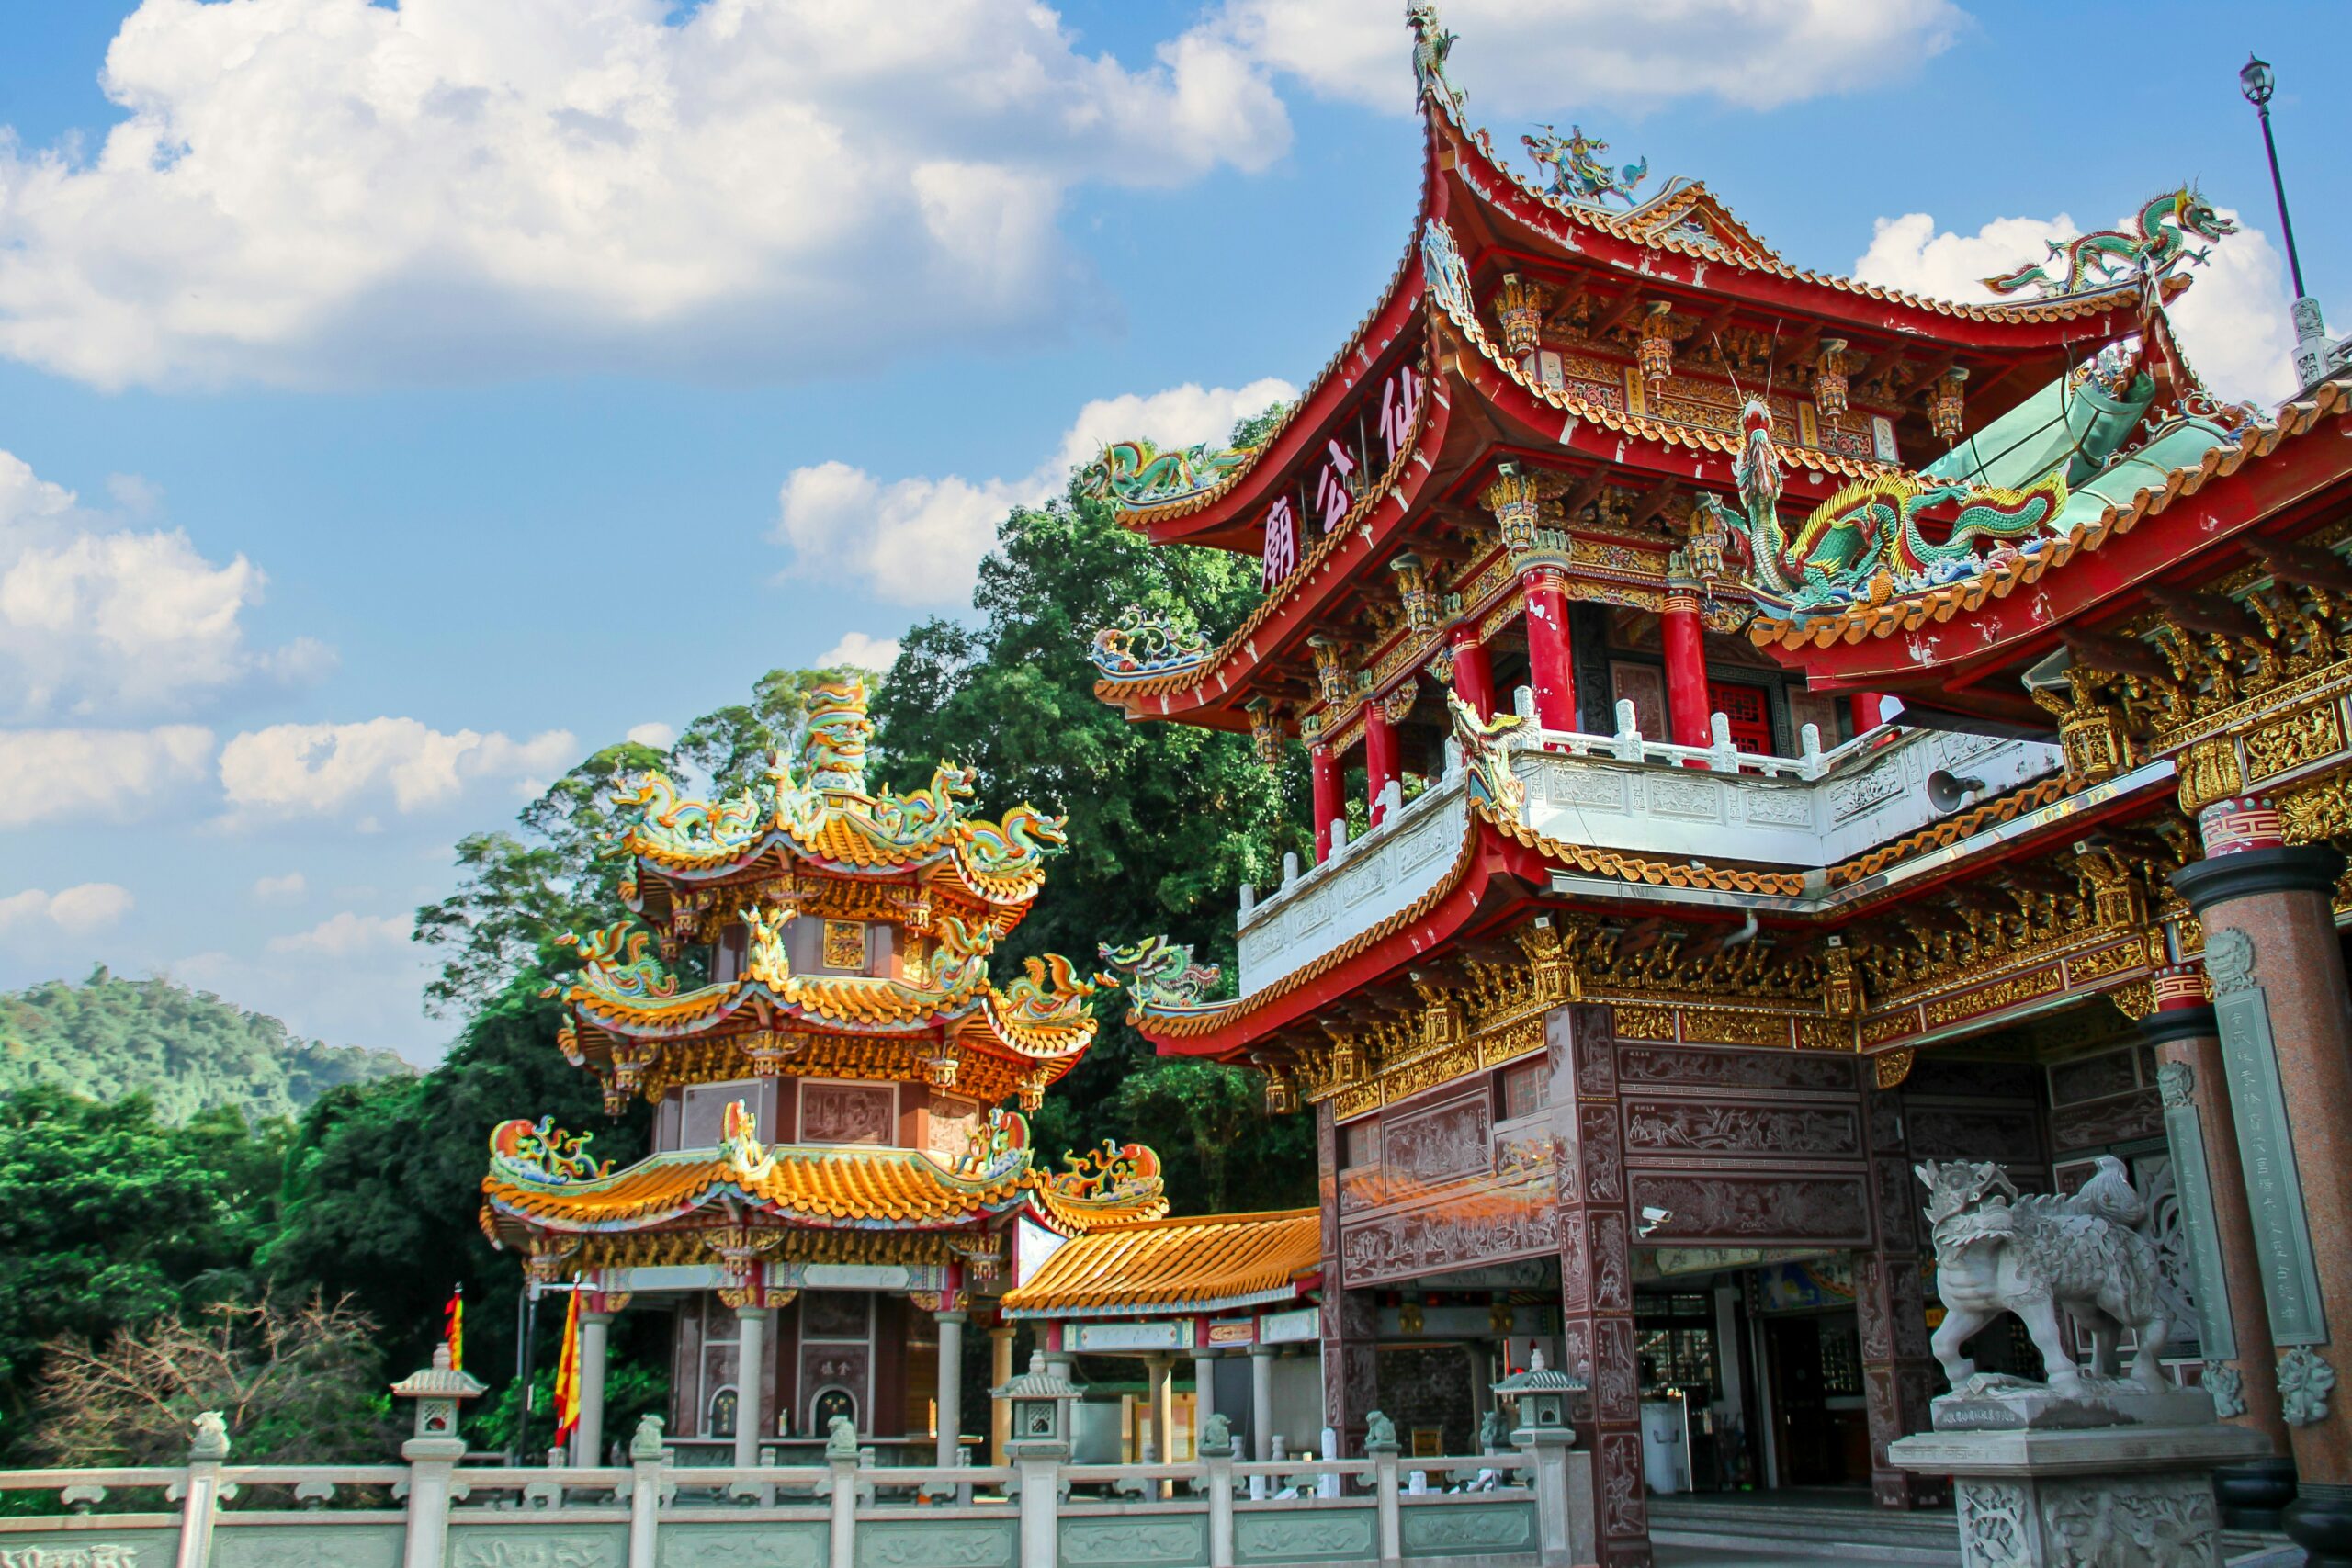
{"points": [[1338, 479]]}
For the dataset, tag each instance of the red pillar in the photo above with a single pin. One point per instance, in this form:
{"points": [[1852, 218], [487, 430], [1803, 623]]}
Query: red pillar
{"points": [[1686, 668], [1327, 798], [1474, 670], [1551, 669], [1866, 716], [1379, 758]]}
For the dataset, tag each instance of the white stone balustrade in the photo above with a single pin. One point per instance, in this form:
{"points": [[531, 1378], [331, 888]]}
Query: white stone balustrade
{"points": [[655, 1514], [1649, 797]]}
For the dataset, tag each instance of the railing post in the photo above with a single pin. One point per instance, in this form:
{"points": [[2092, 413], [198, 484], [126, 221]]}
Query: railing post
{"points": [[646, 1462], [1216, 1449], [1563, 1508], [1383, 1475], [431, 1467], [1723, 756], [1041, 1493], [206, 1448], [844, 1506]]}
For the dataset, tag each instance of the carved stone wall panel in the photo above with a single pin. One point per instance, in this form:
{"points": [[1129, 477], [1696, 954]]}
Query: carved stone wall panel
{"points": [[2120, 1120], [1598, 1143], [1625, 1506], [1704, 1127], [1934, 1075], [1943, 1132], [1575, 1272], [1776, 1209], [1492, 1227], [1719, 1068], [1612, 1260], [1448, 1139], [1616, 1383]]}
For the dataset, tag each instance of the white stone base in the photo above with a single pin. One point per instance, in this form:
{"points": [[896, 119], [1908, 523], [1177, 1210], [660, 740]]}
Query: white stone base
{"points": [[2110, 1497]]}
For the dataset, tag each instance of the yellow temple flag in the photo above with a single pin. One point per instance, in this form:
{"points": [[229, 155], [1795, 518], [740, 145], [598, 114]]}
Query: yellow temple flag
{"points": [[566, 1374], [453, 1328]]}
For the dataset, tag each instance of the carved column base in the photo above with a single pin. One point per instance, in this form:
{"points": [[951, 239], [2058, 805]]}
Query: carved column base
{"points": [[2053, 1499]]}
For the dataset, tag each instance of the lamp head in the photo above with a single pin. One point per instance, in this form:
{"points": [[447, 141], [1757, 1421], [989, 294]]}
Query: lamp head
{"points": [[2255, 81]]}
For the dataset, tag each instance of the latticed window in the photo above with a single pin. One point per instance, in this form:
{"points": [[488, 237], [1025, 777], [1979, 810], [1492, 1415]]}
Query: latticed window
{"points": [[1526, 1088]]}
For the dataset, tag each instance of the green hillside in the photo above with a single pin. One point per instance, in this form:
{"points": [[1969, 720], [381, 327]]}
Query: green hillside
{"points": [[190, 1051]]}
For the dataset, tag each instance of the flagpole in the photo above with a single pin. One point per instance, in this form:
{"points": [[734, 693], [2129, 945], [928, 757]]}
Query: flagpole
{"points": [[526, 1318]]}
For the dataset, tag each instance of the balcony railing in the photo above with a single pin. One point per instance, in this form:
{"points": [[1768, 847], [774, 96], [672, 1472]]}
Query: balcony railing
{"points": [[1627, 792]]}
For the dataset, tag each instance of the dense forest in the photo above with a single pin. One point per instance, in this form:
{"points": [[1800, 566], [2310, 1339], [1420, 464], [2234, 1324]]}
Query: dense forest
{"points": [[318, 1252], [188, 1051]]}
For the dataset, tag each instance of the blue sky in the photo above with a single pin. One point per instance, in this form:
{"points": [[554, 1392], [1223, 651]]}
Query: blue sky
{"points": [[446, 390]]}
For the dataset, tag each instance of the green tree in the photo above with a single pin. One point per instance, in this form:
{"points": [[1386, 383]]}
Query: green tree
{"points": [[1165, 820], [110, 1216]]}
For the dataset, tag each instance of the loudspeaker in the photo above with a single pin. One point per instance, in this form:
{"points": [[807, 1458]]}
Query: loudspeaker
{"points": [[1947, 793]]}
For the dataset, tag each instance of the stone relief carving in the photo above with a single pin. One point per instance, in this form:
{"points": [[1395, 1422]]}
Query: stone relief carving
{"points": [[1624, 1510], [1999, 1252], [2229, 960], [97, 1554], [1604, 1176], [1468, 1530], [2177, 1083], [940, 1544], [1699, 1067], [734, 1546], [1740, 1129], [1802, 1208], [1090, 1541], [485, 1548], [2117, 1121], [2229, 1393], [2118, 1522], [1447, 1140], [1994, 1530], [1330, 1535], [2305, 1380], [1396, 1246]]}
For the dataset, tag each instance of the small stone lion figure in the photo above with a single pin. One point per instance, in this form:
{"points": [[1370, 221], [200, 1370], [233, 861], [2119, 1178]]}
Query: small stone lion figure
{"points": [[1998, 1252], [841, 1438]]}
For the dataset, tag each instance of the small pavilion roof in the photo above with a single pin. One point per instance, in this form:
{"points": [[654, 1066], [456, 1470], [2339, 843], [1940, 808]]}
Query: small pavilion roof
{"points": [[828, 1186], [1205, 1263]]}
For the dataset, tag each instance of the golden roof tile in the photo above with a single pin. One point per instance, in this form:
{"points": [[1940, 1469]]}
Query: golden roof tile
{"points": [[1208, 1263]]}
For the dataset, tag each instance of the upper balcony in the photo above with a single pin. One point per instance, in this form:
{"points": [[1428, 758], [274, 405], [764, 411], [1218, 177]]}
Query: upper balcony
{"points": [[1623, 792]]}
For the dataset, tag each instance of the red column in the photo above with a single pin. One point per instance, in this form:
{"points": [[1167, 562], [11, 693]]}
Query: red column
{"points": [[1551, 669], [1327, 798], [1866, 705], [1379, 758], [1474, 670], [1686, 667]]}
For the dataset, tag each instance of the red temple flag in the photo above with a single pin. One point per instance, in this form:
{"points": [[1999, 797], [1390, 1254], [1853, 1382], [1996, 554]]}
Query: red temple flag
{"points": [[453, 1328], [566, 1374]]}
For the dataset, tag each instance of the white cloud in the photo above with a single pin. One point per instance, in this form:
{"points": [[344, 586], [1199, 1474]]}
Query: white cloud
{"points": [[1530, 57], [661, 736], [2232, 323], [293, 885], [874, 653], [97, 620], [324, 769], [919, 540], [335, 190], [342, 935], [57, 775], [76, 911]]}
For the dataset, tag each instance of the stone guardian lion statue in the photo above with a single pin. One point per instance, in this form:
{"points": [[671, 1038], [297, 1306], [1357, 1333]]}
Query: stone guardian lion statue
{"points": [[1998, 1252]]}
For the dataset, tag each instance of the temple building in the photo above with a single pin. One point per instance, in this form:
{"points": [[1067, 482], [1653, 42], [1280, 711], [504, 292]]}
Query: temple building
{"points": [[1649, 943], [835, 1172]]}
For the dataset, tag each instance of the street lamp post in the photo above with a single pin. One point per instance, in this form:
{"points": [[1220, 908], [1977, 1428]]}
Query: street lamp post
{"points": [[2315, 358], [2255, 81]]}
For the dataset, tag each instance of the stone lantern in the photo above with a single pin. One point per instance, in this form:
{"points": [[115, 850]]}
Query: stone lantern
{"points": [[1540, 1396], [1040, 1400], [438, 1390]]}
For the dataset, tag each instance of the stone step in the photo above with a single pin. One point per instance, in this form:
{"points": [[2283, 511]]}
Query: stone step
{"points": [[1826, 1530]]}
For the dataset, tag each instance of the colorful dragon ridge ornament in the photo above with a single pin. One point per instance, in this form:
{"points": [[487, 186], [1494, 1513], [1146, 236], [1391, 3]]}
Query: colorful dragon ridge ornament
{"points": [[1485, 756], [998, 1142], [1161, 976], [1025, 836], [1432, 44], [1443, 272], [1137, 473], [2110, 256], [834, 755], [618, 961], [537, 1153], [1864, 541], [1138, 646], [1050, 992], [1114, 1171], [1578, 172]]}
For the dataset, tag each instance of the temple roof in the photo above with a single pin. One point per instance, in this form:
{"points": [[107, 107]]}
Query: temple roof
{"points": [[1208, 1263], [538, 1182]]}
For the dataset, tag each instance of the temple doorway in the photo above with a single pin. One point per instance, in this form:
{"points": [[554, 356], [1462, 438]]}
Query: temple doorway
{"points": [[1822, 1430]]}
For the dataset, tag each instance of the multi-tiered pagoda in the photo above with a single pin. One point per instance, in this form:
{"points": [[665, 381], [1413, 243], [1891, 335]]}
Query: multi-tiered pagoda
{"points": [[833, 1171], [1656, 957]]}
